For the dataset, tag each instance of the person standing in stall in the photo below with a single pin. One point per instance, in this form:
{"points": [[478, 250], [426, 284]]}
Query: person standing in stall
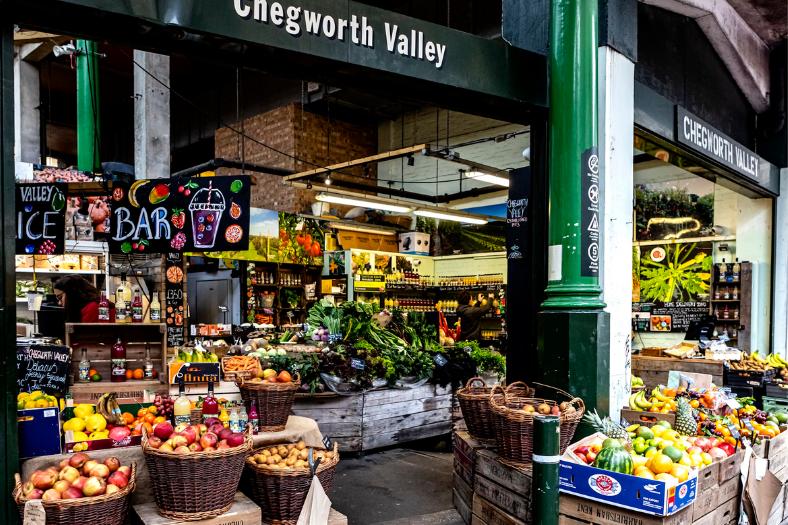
{"points": [[470, 311], [80, 300]]}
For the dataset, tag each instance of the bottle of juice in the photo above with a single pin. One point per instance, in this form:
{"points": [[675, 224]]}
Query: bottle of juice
{"points": [[155, 308], [243, 417], [103, 308], [120, 310], [182, 408], [118, 362], [136, 308], [147, 364], [210, 406], [235, 420], [253, 417], [224, 417], [84, 367]]}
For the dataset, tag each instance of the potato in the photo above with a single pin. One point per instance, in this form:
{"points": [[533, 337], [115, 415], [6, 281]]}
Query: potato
{"points": [[300, 445], [270, 460], [282, 451], [290, 446], [304, 455], [290, 461]]}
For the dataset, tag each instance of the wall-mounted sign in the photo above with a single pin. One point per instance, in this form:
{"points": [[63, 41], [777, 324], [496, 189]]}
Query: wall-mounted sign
{"points": [[175, 215], [704, 138], [40, 218], [590, 197], [43, 367], [174, 314], [518, 229]]}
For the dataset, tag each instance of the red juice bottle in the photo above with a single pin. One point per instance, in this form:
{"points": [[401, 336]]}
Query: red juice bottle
{"points": [[136, 308], [103, 309], [210, 405], [118, 362]]}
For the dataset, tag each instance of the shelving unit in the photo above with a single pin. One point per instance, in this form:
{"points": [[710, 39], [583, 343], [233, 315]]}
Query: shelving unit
{"points": [[264, 279], [738, 328]]}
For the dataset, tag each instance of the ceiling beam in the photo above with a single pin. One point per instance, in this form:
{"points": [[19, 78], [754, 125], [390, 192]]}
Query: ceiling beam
{"points": [[379, 157]]}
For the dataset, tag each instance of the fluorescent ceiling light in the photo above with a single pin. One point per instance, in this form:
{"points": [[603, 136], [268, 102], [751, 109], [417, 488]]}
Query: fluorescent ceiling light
{"points": [[360, 228], [486, 177], [377, 204], [450, 216]]}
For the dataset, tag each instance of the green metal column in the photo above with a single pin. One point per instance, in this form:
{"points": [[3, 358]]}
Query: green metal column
{"points": [[573, 346], [547, 437], [573, 281], [88, 129], [9, 451]]}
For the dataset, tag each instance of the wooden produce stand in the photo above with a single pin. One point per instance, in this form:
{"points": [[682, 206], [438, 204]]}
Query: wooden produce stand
{"points": [[98, 338], [379, 418], [654, 370]]}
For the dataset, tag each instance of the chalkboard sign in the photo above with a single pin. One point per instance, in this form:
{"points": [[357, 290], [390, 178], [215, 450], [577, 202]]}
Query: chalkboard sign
{"points": [[43, 367], [176, 215], [668, 317], [40, 218], [173, 299], [517, 227]]}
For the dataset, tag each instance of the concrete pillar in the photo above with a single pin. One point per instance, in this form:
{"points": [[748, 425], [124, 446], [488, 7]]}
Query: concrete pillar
{"points": [[151, 116], [616, 128], [780, 291], [27, 120]]}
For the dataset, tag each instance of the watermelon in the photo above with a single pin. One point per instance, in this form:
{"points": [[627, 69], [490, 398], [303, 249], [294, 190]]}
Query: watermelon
{"points": [[614, 459]]}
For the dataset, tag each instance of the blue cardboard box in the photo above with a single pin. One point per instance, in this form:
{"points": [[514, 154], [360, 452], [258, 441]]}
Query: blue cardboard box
{"points": [[39, 431], [630, 492]]}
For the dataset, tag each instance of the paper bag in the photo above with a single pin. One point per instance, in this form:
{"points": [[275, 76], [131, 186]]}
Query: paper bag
{"points": [[760, 493], [316, 507]]}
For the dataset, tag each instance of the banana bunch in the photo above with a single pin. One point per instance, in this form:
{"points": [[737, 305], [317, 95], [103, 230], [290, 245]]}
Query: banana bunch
{"points": [[197, 356], [107, 406], [752, 361], [639, 402], [776, 361]]}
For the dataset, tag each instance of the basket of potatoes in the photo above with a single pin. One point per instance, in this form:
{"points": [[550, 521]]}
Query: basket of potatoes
{"points": [[279, 476]]}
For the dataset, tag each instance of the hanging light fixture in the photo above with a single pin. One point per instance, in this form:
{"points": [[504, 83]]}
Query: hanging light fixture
{"points": [[487, 177], [450, 216], [364, 202]]}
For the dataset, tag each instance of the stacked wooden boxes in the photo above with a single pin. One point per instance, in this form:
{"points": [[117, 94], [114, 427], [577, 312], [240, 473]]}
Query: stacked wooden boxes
{"points": [[465, 448]]}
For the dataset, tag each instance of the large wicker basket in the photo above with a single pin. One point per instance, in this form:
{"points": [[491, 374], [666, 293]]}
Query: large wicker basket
{"points": [[514, 427], [281, 492], [108, 509], [274, 402], [198, 485], [474, 400]]}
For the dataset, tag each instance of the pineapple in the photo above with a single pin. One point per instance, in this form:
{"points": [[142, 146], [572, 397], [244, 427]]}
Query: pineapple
{"points": [[607, 426], [685, 421]]}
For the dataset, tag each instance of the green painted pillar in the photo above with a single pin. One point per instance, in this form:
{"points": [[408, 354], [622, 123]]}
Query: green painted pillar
{"points": [[573, 345], [88, 129], [573, 268], [547, 438]]}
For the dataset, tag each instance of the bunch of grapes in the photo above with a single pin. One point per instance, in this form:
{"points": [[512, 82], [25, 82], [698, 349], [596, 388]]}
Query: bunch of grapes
{"points": [[163, 404]]}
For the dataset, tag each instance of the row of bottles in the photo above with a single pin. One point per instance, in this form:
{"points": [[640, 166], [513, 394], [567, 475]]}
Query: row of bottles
{"points": [[258, 276], [470, 281], [118, 364], [410, 304], [128, 305], [725, 332], [290, 279], [490, 334], [236, 420], [728, 273], [726, 293], [726, 312], [448, 306]]}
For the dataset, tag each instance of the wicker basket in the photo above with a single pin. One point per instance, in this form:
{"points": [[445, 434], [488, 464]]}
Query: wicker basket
{"points": [[474, 400], [281, 492], [514, 428], [109, 510], [274, 402], [198, 485]]}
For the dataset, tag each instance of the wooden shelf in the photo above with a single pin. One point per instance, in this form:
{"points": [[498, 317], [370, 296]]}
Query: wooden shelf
{"points": [[64, 272], [725, 300], [129, 391]]}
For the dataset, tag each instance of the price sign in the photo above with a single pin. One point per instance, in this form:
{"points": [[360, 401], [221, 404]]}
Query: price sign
{"points": [[440, 360], [174, 313], [43, 367], [358, 364]]}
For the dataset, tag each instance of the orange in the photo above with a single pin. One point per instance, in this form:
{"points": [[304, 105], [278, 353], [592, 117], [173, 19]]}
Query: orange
{"points": [[159, 419], [284, 377], [152, 409], [92, 372], [138, 373], [128, 419], [680, 472], [661, 464], [142, 411], [643, 472], [129, 374], [149, 418]]}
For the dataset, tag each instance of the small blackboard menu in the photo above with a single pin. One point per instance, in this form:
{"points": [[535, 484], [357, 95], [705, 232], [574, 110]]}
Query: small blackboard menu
{"points": [[40, 218], [42, 367], [174, 314], [668, 316], [184, 214]]}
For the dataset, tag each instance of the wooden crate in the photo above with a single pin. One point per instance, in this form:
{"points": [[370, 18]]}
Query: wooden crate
{"points": [[514, 503], [485, 513], [465, 448], [243, 512], [517, 480], [339, 417], [654, 370], [647, 419], [462, 506]]}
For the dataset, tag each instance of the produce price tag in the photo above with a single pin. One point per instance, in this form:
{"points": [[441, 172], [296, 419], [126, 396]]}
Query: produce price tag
{"points": [[733, 404], [327, 442], [734, 431], [440, 360], [358, 364], [749, 426], [35, 513]]}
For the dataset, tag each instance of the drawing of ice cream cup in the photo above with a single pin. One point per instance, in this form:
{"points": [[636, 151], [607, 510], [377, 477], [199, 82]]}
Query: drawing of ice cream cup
{"points": [[206, 209]]}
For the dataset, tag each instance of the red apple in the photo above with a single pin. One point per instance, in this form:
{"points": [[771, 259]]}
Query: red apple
{"points": [[180, 427], [79, 483], [94, 486], [71, 493], [163, 430], [591, 456], [235, 439], [222, 445], [208, 439], [50, 495], [126, 471], [195, 447], [581, 456], [27, 488], [179, 441], [694, 450], [35, 494], [118, 479], [211, 421], [88, 466], [68, 473], [78, 459], [112, 489], [225, 433], [583, 449], [154, 442], [64, 463], [208, 449], [100, 471], [216, 428], [61, 486], [200, 429], [182, 449], [44, 479], [190, 434], [112, 463]]}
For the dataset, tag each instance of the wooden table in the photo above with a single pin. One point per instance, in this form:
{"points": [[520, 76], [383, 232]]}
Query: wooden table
{"points": [[654, 370]]}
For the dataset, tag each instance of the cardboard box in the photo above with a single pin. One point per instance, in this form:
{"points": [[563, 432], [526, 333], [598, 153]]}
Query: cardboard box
{"points": [[730, 467], [100, 444], [708, 477], [596, 513], [414, 243], [647, 419], [243, 512], [38, 431], [194, 372], [706, 503]]}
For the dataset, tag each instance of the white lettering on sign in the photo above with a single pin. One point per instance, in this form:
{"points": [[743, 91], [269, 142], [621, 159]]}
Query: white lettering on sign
{"points": [[156, 226], [295, 20]]}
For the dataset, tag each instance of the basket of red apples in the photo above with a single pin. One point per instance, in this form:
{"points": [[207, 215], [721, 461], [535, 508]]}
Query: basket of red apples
{"points": [[183, 461], [79, 490]]}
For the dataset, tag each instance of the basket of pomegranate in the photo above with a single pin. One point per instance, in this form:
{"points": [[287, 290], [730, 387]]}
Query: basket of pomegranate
{"points": [[274, 393], [514, 419], [279, 477], [183, 460], [79, 490]]}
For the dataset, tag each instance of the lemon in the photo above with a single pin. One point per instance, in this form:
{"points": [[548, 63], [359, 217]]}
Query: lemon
{"points": [[658, 430], [36, 394], [30, 404], [75, 423], [99, 435], [95, 423], [80, 436], [83, 410], [42, 403], [22, 395]]}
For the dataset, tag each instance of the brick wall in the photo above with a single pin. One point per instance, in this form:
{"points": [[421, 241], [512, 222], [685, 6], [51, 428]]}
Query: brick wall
{"points": [[299, 133]]}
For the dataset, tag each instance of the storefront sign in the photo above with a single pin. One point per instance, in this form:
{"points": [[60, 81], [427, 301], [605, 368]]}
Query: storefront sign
{"points": [[668, 317], [702, 137], [43, 367], [40, 218], [517, 225], [175, 215], [174, 313], [590, 197]]}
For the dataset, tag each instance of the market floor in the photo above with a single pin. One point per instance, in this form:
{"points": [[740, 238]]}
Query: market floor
{"points": [[397, 487]]}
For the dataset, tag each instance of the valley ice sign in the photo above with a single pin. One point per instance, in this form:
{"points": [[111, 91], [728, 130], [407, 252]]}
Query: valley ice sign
{"points": [[297, 21]]}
